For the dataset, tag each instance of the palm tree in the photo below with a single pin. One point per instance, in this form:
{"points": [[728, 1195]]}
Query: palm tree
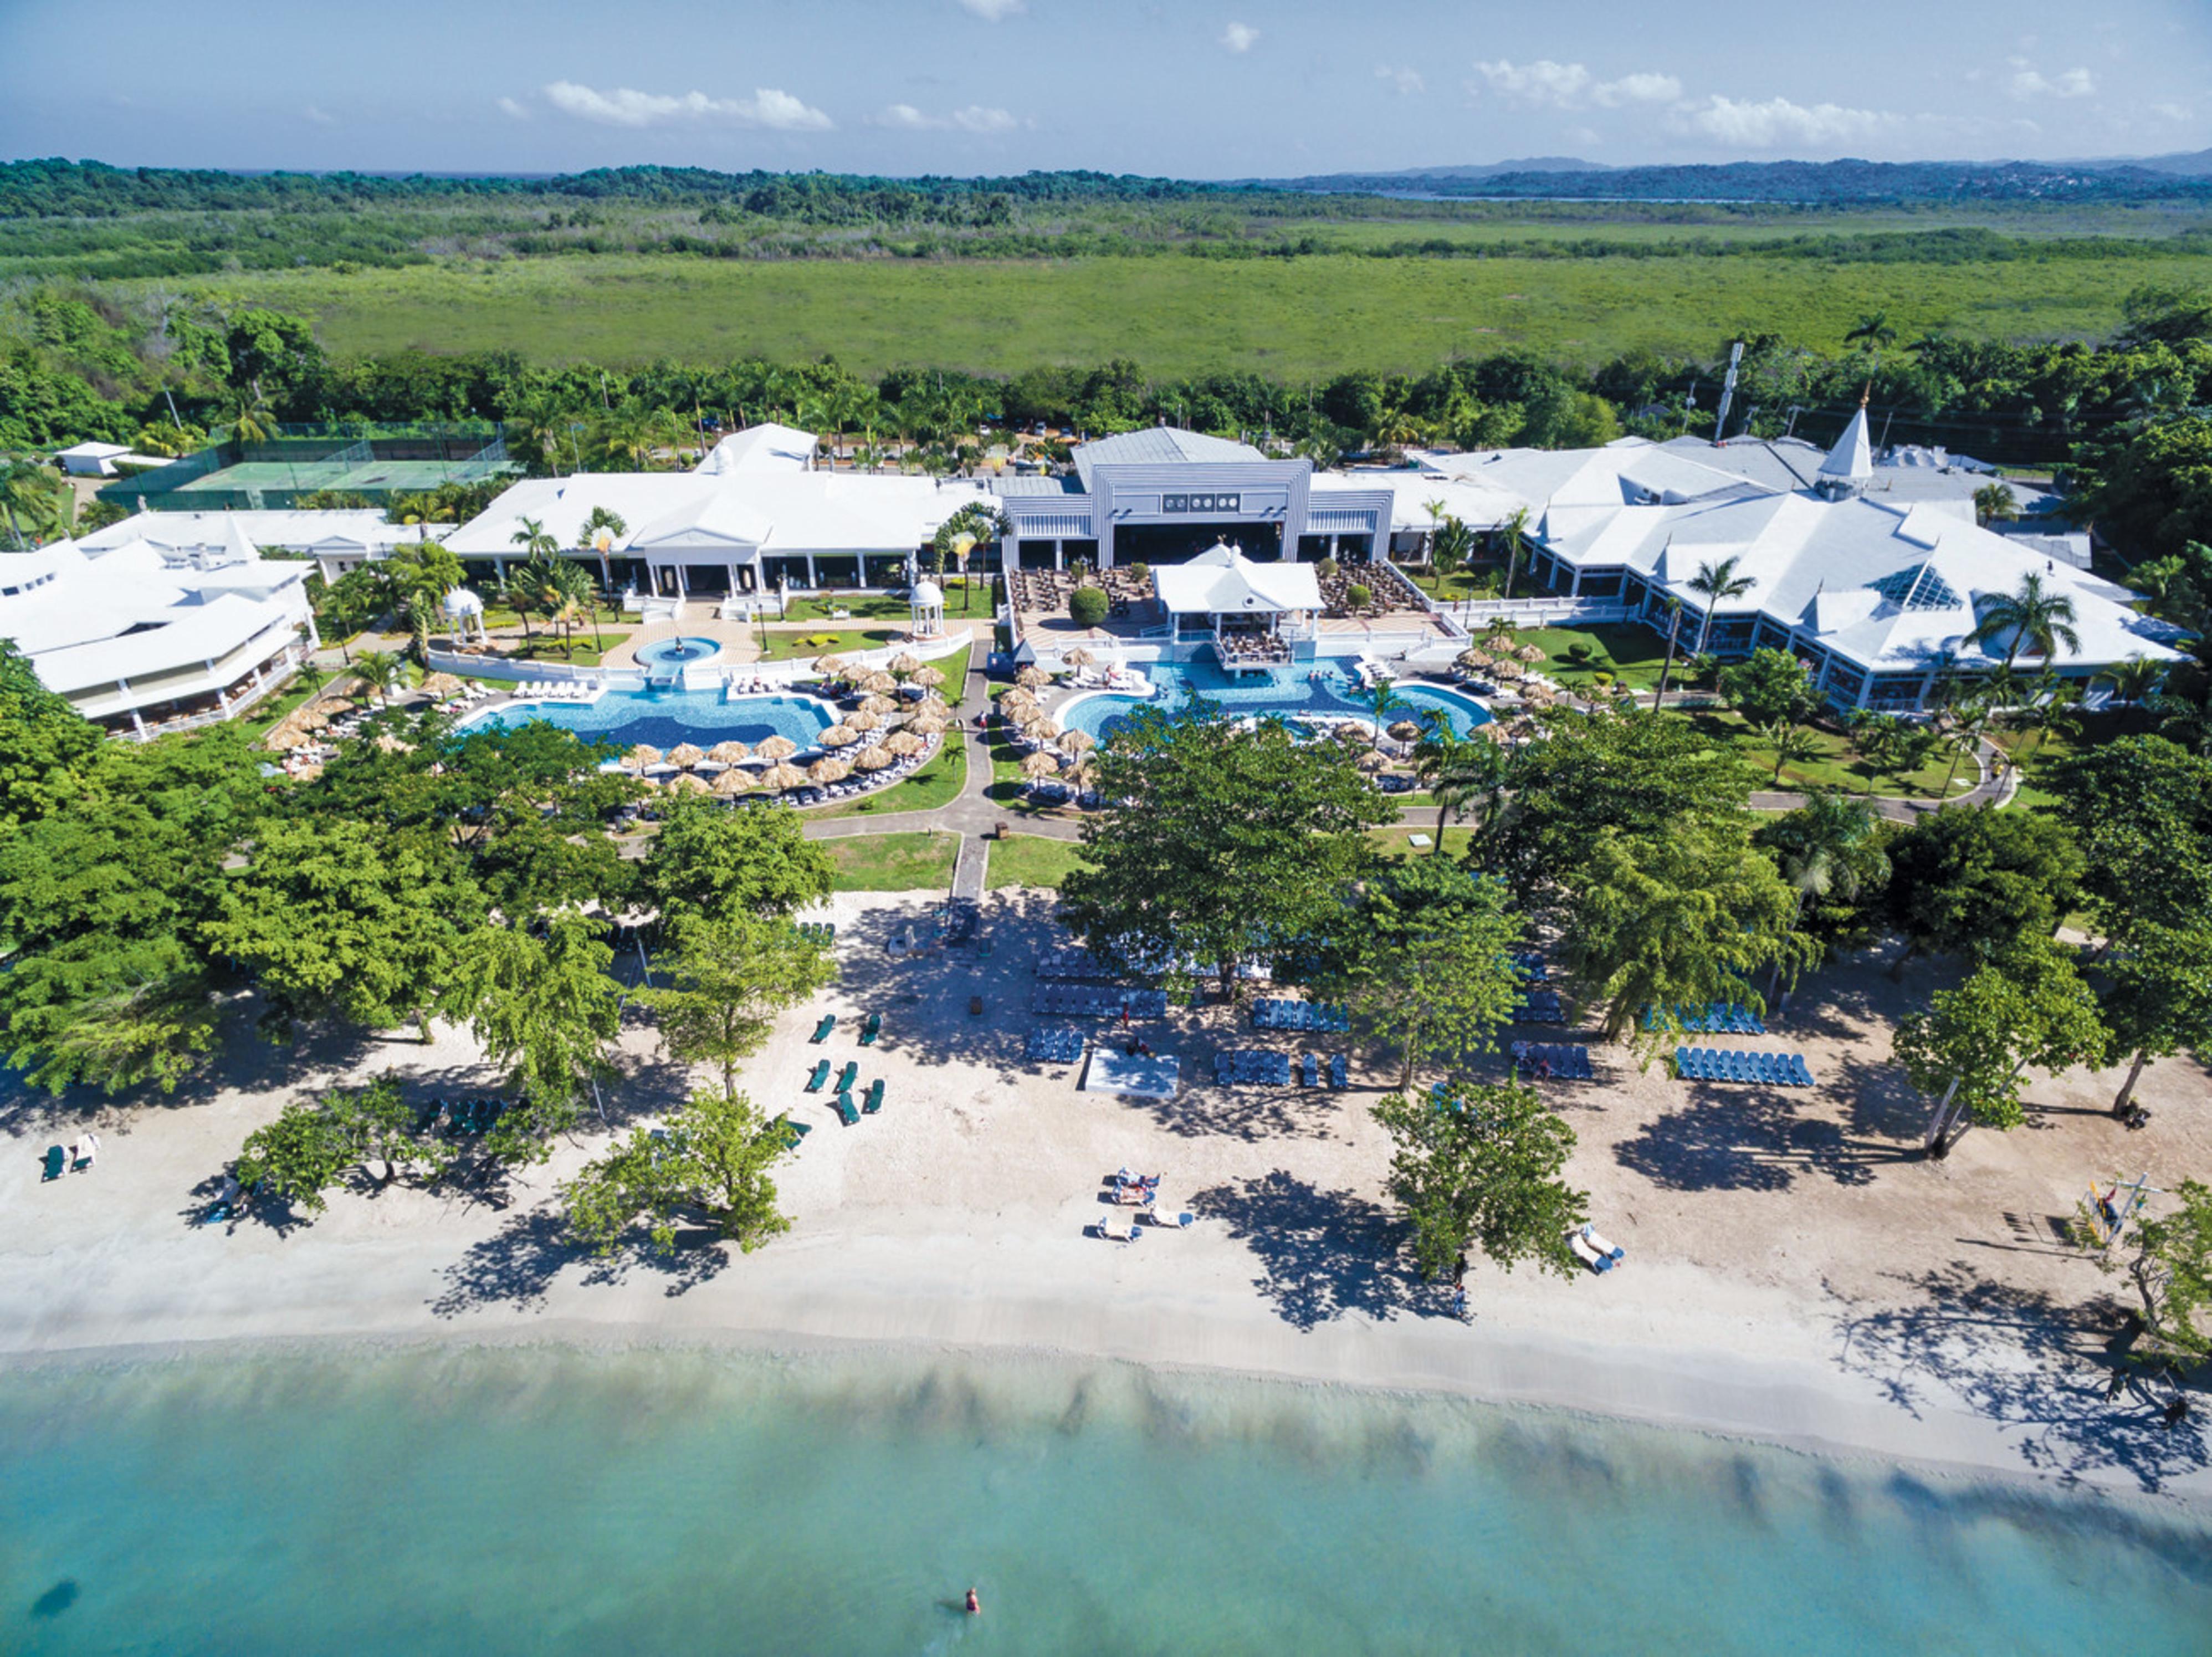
{"points": [[1816, 857], [1458, 773], [39, 505], [379, 669], [1384, 699], [1673, 631], [1792, 743], [537, 543], [2132, 681], [1877, 736], [2032, 617], [1717, 583], [1872, 332], [603, 518], [1516, 530], [2051, 708], [1993, 501], [251, 418], [417, 579], [1448, 547], [1960, 729]]}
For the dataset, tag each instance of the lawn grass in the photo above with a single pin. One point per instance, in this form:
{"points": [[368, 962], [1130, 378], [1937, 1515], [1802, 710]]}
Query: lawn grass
{"points": [[893, 863], [264, 716], [2038, 756], [1836, 766], [1288, 318], [1033, 860], [1631, 652], [861, 607], [1397, 842], [784, 646]]}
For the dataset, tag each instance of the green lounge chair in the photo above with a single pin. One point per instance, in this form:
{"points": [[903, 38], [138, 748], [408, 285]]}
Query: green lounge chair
{"points": [[871, 1029], [845, 1078], [846, 1113], [822, 1030], [821, 1075], [874, 1099], [794, 1132], [56, 1162]]}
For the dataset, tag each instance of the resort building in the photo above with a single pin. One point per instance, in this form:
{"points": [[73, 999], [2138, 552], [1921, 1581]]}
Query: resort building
{"points": [[1252, 613], [338, 540], [140, 635]]}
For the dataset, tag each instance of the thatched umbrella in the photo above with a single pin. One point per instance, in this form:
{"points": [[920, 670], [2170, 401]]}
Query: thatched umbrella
{"points": [[643, 755], [863, 721], [840, 736], [728, 753], [832, 666], [1530, 653], [900, 744], [1018, 713], [906, 662], [1078, 741], [776, 747], [1373, 760], [828, 770], [925, 727], [1500, 640], [685, 782], [1079, 657], [1031, 677], [1406, 731], [1509, 670], [390, 744], [1475, 658], [781, 776], [1042, 728], [1040, 764], [732, 783], [286, 741], [927, 676], [879, 704], [872, 759], [880, 683], [443, 685], [686, 754]]}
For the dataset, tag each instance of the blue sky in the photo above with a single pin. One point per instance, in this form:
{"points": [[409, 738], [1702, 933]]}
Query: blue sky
{"points": [[1199, 88]]}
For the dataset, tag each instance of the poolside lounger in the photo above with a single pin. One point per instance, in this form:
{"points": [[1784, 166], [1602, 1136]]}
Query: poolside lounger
{"points": [[873, 1100], [1170, 1222], [1339, 1071], [1683, 1064], [822, 1030], [871, 1029], [821, 1075], [845, 1078], [55, 1164], [1129, 1234], [845, 1112], [1310, 1069], [1608, 1250], [1587, 1253], [1799, 1072]]}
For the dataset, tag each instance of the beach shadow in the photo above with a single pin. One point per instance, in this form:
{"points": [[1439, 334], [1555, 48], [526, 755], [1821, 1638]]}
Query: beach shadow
{"points": [[515, 1267], [1746, 1139], [1323, 1254], [2039, 1367]]}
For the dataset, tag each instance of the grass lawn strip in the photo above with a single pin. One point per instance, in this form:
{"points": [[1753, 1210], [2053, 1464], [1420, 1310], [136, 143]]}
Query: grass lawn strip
{"points": [[894, 862]]}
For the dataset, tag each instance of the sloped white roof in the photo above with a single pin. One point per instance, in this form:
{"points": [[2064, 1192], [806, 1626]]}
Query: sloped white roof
{"points": [[767, 448], [362, 529], [1478, 504], [1851, 461], [1222, 581]]}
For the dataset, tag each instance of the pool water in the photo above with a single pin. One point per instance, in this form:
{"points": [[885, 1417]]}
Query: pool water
{"points": [[1324, 689], [676, 652], [665, 718]]}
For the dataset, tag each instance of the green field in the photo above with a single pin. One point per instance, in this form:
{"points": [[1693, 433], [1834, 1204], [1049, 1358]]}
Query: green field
{"points": [[1181, 316], [893, 863], [1033, 860]]}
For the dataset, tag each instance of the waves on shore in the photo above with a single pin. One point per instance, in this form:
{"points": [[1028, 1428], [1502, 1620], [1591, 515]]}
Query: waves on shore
{"points": [[441, 1499]]}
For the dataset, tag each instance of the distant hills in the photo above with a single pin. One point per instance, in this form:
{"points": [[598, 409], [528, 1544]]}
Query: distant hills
{"points": [[1839, 181]]}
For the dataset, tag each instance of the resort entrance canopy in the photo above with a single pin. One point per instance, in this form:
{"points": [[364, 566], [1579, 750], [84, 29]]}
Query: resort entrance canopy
{"points": [[1238, 602]]}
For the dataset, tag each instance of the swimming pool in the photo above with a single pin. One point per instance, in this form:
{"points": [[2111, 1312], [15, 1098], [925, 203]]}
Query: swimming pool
{"points": [[1324, 690], [677, 652], [665, 718]]}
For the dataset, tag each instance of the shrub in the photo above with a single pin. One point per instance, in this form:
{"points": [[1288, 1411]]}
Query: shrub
{"points": [[1358, 597], [1326, 569], [1087, 606], [1140, 572]]}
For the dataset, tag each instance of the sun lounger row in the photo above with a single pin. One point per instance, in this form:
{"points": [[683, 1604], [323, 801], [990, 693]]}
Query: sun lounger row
{"points": [[1529, 965], [1252, 1067], [1312, 1069], [1594, 1251], [1536, 1060], [1069, 960], [818, 931], [1278, 1014], [1541, 1007], [1720, 1065], [1721, 1018], [465, 1117], [847, 1112], [1079, 1001], [1050, 1046]]}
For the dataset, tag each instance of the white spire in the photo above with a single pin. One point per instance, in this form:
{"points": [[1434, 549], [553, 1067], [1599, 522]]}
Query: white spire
{"points": [[1851, 461]]}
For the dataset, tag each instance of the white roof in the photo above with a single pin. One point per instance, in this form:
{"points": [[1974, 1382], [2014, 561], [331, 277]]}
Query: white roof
{"points": [[1478, 503], [350, 530], [768, 447], [1852, 460], [90, 451], [1222, 581]]}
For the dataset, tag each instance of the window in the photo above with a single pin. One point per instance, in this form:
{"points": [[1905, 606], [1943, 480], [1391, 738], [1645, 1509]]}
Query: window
{"points": [[1916, 588]]}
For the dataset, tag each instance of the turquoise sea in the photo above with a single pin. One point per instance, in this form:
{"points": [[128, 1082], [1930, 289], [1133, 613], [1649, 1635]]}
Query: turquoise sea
{"points": [[550, 1500]]}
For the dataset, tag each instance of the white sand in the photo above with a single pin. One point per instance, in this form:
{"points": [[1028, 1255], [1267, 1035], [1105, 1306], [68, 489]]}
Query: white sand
{"points": [[1788, 1277]]}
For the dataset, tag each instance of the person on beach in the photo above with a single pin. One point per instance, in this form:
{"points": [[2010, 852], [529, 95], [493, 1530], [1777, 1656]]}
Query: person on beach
{"points": [[974, 1605]]}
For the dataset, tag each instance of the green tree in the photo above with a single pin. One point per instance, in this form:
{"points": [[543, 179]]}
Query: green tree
{"points": [[1975, 883], [416, 577], [380, 670], [2158, 999], [728, 974], [1087, 606], [1994, 502], [2140, 808], [44, 742], [378, 1126], [1832, 853], [1482, 1169], [1793, 745], [1460, 772], [720, 863], [2026, 1006], [348, 919], [2029, 617], [1450, 548], [298, 1157], [1716, 584], [1514, 530], [1421, 960], [1772, 685], [1219, 847], [2169, 1261], [714, 1159], [541, 1002]]}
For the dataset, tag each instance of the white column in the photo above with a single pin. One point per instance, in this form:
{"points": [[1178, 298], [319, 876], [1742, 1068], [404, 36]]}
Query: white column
{"points": [[314, 638]]}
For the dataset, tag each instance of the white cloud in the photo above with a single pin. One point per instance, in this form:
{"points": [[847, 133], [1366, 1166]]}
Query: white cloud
{"points": [[319, 117], [627, 107], [1404, 82], [2028, 83], [2172, 112], [1778, 121], [1240, 36], [509, 106], [973, 118], [991, 11], [1641, 88], [1541, 82]]}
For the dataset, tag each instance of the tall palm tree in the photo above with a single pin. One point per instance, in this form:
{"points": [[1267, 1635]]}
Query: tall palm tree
{"points": [[2032, 617], [1961, 729], [603, 518], [1674, 632], [537, 543], [1792, 743], [1872, 332], [379, 669], [417, 577], [1717, 583], [1458, 772], [1993, 501], [1383, 698], [252, 420], [38, 504], [2132, 681], [1516, 530], [1816, 855], [1449, 548]]}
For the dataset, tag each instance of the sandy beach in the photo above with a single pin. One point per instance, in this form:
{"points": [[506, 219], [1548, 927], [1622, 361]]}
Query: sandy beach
{"points": [[1793, 1273]]}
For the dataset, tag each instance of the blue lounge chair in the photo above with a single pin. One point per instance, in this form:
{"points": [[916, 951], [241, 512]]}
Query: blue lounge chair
{"points": [[1802, 1074], [821, 1075], [873, 1099], [845, 1078], [1339, 1072], [1683, 1064], [871, 1029], [822, 1030], [845, 1112], [1310, 1068]]}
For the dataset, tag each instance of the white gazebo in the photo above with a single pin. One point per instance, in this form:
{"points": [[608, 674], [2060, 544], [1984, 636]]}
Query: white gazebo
{"points": [[463, 607], [926, 607], [1251, 610]]}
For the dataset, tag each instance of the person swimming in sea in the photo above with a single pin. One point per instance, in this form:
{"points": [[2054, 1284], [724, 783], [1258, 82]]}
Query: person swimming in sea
{"points": [[974, 1605]]}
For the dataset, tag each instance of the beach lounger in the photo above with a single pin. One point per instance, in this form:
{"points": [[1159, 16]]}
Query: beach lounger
{"points": [[1339, 1071], [1682, 1070], [845, 1112], [1127, 1233], [1311, 1069], [873, 1100], [821, 1075], [1587, 1253], [55, 1164], [822, 1030], [795, 1131], [1608, 1250], [1170, 1222], [871, 1029], [1799, 1072], [845, 1078]]}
